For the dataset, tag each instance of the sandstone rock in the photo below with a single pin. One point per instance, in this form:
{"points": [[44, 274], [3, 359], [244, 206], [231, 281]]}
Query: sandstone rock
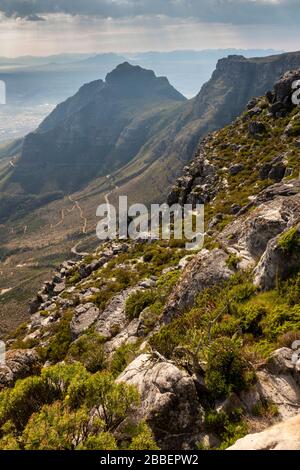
{"points": [[207, 269], [278, 383], [184, 261], [235, 209], [20, 363], [275, 264], [250, 234], [254, 111], [84, 317], [215, 220], [148, 284], [277, 172], [264, 171], [283, 87], [169, 401], [252, 103], [59, 288], [128, 335], [113, 319], [283, 436], [34, 306]]}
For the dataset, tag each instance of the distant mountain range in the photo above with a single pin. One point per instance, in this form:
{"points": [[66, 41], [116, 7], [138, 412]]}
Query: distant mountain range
{"points": [[35, 85], [36, 80], [134, 125]]}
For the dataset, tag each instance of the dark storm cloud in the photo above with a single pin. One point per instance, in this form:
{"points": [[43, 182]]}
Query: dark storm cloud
{"points": [[224, 11]]}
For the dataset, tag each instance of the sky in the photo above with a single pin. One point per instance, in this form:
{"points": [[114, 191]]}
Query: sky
{"points": [[43, 27]]}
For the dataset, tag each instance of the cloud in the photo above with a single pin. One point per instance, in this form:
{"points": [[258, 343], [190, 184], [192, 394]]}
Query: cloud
{"points": [[34, 17], [207, 11]]}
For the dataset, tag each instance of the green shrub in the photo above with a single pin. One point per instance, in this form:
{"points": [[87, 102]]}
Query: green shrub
{"points": [[143, 440], [57, 349], [226, 368], [281, 319], [167, 339], [233, 261], [264, 409], [290, 240], [290, 290], [88, 350], [27, 397], [74, 279], [241, 292], [137, 302], [122, 357], [229, 428], [251, 317]]}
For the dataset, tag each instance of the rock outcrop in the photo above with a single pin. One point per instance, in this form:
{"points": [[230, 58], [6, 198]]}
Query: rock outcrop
{"points": [[19, 363], [208, 268], [84, 317], [283, 436], [169, 401]]}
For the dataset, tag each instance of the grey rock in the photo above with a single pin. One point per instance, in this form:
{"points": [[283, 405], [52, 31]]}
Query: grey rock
{"points": [[215, 220], [169, 401], [128, 335], [113, 319], [84, 317], [59, 288], [264, 171], [275, 264], [148, 284], [19, 363], [34, 306], [235, 209], [207, 269], [257, 128], [277, 172], [235, 169], [282, 436], [255, 111]]}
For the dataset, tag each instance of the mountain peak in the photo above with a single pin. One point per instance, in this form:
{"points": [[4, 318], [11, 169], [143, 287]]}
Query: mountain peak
{"points": [[126, 72]]}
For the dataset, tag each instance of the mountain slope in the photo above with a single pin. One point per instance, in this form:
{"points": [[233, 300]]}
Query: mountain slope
{"points": [[193, 349], [235, 81], [39, 232], [99, 129]]}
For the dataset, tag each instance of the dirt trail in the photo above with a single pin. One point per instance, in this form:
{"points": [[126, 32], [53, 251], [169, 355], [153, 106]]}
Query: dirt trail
{"points": [[68, 211], [74, 250]]}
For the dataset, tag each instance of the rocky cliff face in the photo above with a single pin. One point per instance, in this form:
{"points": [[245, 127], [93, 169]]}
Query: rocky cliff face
{"points": [[97, 130], [207, 340]]}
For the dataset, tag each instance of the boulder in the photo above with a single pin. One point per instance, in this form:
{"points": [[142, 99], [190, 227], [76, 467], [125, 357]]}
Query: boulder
{"points": [[19, 363], [257, 128], [207, 269], [283, 87], [249, 234], [276, 263], [84, 317], [113, 319], [235, 169], [128, 335], [283, 436], [169, 401], [59, 288], [278, 383]]}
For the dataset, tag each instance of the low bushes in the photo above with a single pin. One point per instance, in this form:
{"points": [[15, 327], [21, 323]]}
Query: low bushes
{"points": [[137, 302]]}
